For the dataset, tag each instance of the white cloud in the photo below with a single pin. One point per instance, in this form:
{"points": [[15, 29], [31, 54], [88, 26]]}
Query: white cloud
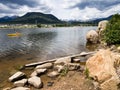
{"points": [[63, 9]]}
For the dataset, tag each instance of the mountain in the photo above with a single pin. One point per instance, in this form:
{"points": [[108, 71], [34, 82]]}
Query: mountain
{"points": [[97, 20], [35, 17], [7, 18]]}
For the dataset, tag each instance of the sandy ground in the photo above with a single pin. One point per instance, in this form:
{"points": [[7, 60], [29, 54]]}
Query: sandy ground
{"points": [[74, 80]]}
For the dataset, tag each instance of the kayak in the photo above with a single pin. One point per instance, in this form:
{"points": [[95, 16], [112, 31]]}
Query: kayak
{"points": [[14, 34]]}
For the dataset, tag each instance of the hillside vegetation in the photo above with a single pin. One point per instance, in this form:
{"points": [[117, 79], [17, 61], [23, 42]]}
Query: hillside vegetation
{"points": [[35, 18], [112, 32]]}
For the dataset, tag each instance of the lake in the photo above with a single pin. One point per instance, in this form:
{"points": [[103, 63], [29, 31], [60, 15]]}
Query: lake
{"points": [[39, 44]]}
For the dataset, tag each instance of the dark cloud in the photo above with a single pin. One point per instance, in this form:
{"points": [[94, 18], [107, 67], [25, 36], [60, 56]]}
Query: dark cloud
{"points": [[99, 4], [30, 3]]}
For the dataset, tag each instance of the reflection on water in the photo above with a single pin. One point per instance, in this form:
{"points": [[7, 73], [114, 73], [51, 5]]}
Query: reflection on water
{"points": [[46, 42]]}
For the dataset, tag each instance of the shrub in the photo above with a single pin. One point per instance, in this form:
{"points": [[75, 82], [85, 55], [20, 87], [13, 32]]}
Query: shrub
{"points": [[112, 32]]}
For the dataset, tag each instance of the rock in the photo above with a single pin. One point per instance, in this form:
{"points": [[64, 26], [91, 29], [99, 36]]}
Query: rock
{"points": [[38, 71], [63, 60], [72, 66], [59, 68], [50, 83], [43, 66], [41, 71], [118, 48], [20, 82], [101, 68], [53, 74], [76, 60], [96, 85], [17, 76], [102, 25], [34, 74], [8, 88], [92, 37], [20, 88], [113, 47], [35, 81]]}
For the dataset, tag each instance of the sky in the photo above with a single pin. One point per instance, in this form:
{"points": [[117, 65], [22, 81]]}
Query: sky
{"points": [[62, 9]]}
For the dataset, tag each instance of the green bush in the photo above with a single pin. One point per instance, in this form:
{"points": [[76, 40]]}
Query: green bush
{"points": [[112, 32]]}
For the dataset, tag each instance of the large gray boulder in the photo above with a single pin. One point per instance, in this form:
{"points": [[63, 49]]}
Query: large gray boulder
{"points": [[35, 81], [43, 66], [17, 76], [20, 88], [92, 37], [20, 82]]}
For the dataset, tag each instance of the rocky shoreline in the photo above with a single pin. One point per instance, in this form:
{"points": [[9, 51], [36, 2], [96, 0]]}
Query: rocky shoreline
{"points": [[100, 71]]}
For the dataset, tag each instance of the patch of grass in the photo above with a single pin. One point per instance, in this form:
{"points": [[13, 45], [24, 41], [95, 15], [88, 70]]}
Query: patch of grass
{"points": [[64, 71], [87, 72]]}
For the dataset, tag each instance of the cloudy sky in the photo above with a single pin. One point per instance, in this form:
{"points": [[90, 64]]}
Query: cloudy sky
{"points": [[63, 9]]}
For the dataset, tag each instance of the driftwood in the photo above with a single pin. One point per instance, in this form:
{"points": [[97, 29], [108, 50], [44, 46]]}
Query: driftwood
{"points": [[53, 60]]}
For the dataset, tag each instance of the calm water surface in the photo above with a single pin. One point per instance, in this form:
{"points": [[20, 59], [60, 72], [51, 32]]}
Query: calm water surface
{"points": [[44, 42]]}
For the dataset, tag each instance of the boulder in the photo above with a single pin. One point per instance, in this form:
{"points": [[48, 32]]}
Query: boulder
{"points": [[20, 82], [92, 36], [102, 25], [72, 66], [53, 74], [43, 66], [101, 68], [63, 61], [59, 68], [16, 76], [20, 88], [118, 49], [35, 81]]}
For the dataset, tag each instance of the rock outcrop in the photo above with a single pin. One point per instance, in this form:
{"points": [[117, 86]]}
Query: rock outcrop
{"points": [[101, 68], [92, 37]]}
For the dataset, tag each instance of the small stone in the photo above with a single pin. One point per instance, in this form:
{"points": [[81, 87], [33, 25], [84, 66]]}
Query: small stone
{"points": [[62, 61], [76, 60], [20, 88], [53, 74], [20, 82], [43, 66], [35, 81], [41, 71], [72, 66], [50, 83], [59, 68], [17, 76]]}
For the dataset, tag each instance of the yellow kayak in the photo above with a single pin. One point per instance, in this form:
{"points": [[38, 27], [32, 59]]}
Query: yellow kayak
{"points": [[14, 34]]}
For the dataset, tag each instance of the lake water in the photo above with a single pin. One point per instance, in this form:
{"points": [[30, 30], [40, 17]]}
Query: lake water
{"points": [[44, 42], [38, 44]]}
